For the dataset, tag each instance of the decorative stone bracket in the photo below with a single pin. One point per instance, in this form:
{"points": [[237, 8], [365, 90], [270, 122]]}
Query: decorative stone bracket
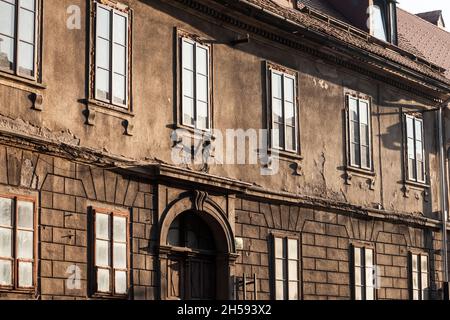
{"points": [[129, 128], [37, 100]]}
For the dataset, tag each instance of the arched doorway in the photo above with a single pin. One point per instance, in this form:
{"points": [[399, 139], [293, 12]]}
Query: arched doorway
{"points": [[192, 261]]}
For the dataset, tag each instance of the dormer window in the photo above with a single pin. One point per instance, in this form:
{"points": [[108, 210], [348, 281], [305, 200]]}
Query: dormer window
{"points": [[383, 20]]}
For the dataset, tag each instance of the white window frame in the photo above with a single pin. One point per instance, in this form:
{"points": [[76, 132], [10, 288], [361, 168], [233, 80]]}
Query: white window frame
{"points": [[112, 11], [363, 273], [416, 161], [14, 259], [421, 290], [16, 41], [111, 269], [285, 260], [284, 76], [351, 161], [196, 45]]}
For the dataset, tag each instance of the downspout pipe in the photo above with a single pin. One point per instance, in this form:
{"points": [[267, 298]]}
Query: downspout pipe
{"points": [[443, 198]]}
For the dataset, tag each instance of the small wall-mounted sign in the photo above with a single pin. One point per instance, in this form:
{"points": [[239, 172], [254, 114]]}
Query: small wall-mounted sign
{"points": [[239, 242]]}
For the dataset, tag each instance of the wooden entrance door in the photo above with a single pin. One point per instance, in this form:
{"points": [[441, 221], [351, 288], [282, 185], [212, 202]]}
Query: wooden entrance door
{"points": [[192, 277]]}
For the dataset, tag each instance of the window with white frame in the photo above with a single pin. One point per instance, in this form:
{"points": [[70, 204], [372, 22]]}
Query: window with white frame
{"points": [[111, 56], [359, 133], [415, 149], [195, 84], [286, 262], [18, 37], [17, 243], [419, 277], [111, 253], [363, 273], [283, 100]]}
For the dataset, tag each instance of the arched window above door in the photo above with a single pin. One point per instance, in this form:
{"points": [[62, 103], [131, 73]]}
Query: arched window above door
{"points": [[189, 230]]}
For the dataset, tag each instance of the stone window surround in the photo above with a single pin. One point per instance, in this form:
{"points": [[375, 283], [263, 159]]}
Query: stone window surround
{"points": [[93, 105], [17, 194], [93, 210], [204, 40], [284, 235]]}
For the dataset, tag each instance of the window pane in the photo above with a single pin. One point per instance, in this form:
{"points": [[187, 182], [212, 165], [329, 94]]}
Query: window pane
{"points": [[357, 256], [6, 53], [353, 109], [414, 262], [103, 280], [27, 4], [415, 280], [424, 280], [120, 229], [102, 84], [188, 111], [365, 157], [26, 58], [5, 273], [364, 134], [278, 135], [120, 255], [411, 154], [188, 55], [102, 253], [290, 113], [293, 291], [102, 226], [25, 244], [370, 276], [7, 18], [5, 212], [5, 243], [202, 88], [378, 23], [290, 138], [25, 274], [415, 295], [279, 290], [119, 94], [358, 278], [412, 169], [119, 59], [293, 249], [120, 29], [279, 267], [420, 171], [424, 263], [26, 215], [202, 115], [277, 110], [354, 132], [418, 128], [276, 86], [370, 293], [102, 54], [363, 112], [419, 151], [369, 257], [103, 23], [121, 282], [358, 293], [355, 154], [279, 248], [409, 127], [293, 270], [289, 90], [202, 61], [26, 26], [188, 83]]}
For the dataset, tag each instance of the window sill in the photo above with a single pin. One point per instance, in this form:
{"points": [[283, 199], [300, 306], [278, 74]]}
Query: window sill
{"points": [[362, 173], [108, 109], [16, 81], [30, 291], [285, 155], [109, 297], [194, 132], [416, 185]]}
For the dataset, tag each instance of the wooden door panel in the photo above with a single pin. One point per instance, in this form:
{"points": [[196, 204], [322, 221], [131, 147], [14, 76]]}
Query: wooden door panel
{"points": [[175, 278]]}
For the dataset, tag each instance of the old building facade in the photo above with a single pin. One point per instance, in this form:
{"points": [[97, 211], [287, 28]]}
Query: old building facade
{"points": [[102, 117]]}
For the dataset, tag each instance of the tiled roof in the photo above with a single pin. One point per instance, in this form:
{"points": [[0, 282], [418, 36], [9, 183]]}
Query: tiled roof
{"points": [[408, 43], [324, 7], [432, 42]]}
